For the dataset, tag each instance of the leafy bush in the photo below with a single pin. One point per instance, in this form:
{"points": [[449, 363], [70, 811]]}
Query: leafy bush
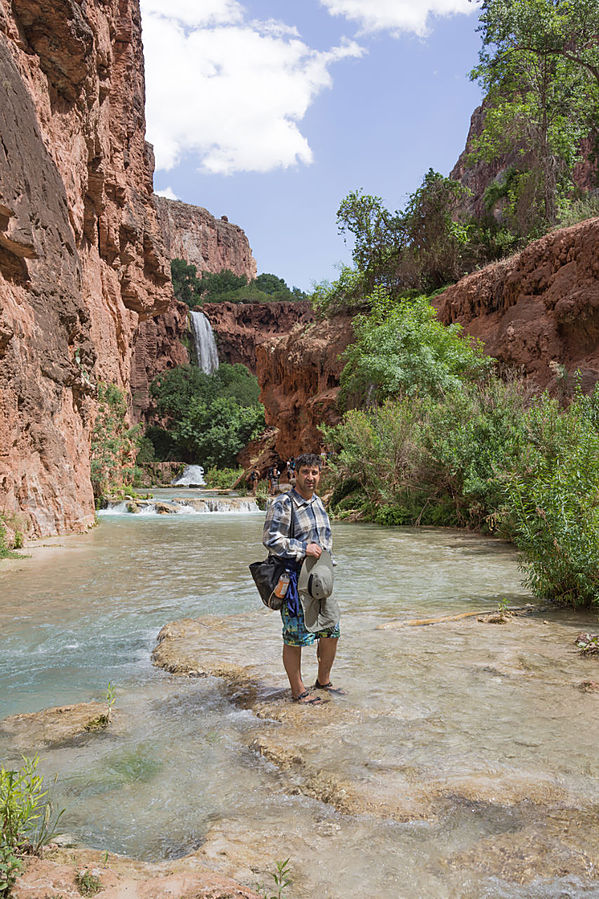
{"points": [[553, 496], [222, 478], [205, 418], [401, 347], [26, 818]]}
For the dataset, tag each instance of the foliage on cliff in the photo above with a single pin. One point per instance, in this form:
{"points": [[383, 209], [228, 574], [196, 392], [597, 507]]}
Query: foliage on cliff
{"points": [[204, 418], [539, 65], [226, 286], [421, 248], [113, 443], [435, 437]]}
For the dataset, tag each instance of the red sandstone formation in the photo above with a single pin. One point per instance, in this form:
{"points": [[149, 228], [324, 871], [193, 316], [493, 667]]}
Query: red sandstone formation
{"points": [[537, 309], [193, 234], [299, 379], [240, 327], [81, 257], [157, 346]]}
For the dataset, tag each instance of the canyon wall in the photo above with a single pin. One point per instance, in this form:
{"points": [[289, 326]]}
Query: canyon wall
{"points": [[299, 380], [193, 234], [81, 256], [537, 309]]}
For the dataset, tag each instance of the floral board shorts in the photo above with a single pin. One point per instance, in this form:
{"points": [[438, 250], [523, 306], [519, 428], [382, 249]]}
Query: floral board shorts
{"points": [[295, 633]]}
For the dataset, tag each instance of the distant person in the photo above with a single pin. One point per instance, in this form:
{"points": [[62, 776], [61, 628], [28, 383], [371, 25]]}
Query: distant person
{"points": [[274, 480], [308, 614], [252, 480]]}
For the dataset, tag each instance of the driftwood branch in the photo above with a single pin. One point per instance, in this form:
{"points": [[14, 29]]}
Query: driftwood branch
{"points": [[423, 622]]}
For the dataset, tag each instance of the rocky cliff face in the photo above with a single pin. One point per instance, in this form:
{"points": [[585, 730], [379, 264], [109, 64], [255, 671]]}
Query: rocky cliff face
{"points": [[81, 256], [478, 176], [299, 380], [241, 327], [538, 309], [211, 244]]}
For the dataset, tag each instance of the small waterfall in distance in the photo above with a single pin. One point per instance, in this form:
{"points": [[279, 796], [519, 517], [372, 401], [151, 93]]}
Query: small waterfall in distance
{"points": [[205, 344]]}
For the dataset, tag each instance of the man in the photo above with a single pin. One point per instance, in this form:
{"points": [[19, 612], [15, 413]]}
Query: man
{"points": [[302, 514]]}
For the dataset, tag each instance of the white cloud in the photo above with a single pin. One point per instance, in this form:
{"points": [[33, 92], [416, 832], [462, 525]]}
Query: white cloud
{"points": [[167, 192], [396, 15], [230, 91]]}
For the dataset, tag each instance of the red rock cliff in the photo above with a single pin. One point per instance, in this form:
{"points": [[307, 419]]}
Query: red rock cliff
{"points": [[211, 244], [240, 327], [299, 380], [81, 257], [539, 307]]}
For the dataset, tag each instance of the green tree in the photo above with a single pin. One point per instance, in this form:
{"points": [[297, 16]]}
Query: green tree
{"points": [[401, 348], [277, 288], [187, 286], [539, 63], [205, 418]]}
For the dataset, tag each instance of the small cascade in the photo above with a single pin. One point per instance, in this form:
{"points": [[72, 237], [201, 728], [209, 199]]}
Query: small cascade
{"points": [[193, 476], [180, 506], [205, 344]]}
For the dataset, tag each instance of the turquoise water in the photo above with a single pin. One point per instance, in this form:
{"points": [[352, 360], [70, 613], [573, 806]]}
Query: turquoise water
{"points": [[177, 772]]}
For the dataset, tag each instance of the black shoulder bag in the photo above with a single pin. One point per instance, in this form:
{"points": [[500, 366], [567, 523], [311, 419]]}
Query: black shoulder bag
{"points": [[266, 574]]}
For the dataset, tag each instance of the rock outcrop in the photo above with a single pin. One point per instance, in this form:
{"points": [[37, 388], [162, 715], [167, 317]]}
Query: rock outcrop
{"points": [[538, 309], [193, 234], [477, 176], [240, 327], [81, 256], [299, 380], [159, 344]]}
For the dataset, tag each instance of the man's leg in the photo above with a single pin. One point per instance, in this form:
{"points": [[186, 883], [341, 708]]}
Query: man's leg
{"points": [[327, 649], [292, 660]]}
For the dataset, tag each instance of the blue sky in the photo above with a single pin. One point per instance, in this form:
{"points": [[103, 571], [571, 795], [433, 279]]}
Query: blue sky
{"points": [[271, 111]]}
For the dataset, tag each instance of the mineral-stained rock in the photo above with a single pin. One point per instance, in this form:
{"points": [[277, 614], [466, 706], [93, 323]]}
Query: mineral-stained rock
{"points": [[240, 328], [477, 175], [81, 257], [538, 309], [299, 381], [185, 878], [51, 727]]}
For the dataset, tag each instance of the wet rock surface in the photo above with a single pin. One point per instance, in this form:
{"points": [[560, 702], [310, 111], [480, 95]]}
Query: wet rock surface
{"points": [[54, 727], [55, 876], [547, 831]]}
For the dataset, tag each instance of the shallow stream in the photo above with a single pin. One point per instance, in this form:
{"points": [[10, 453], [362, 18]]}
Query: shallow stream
{"points": [[462, 744]]}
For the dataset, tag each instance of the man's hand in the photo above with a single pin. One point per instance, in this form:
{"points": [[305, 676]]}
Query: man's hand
{"points": [[314, 550]]}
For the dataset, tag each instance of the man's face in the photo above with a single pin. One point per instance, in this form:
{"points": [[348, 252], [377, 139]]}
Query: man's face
{"points": [[306, 479]]}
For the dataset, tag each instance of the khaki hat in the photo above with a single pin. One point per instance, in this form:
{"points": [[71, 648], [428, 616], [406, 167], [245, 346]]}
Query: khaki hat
{"points": [[315, 585], [316, 576]]}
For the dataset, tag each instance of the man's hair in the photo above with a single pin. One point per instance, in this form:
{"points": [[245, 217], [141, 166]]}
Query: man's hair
{"points": [[308, 460]]}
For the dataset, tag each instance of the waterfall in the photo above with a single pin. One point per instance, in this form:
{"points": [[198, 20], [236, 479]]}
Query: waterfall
{"points": [[193, 476], [205, 344]]}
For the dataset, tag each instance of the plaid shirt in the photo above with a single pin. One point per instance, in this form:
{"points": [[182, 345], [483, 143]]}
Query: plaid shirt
{"points": [[312, 525]]}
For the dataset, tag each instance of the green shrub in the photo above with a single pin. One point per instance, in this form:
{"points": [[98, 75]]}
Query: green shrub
{"points": [[553, 496], [113, 443], [401, 348], [222, 478], [26, 818]]}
